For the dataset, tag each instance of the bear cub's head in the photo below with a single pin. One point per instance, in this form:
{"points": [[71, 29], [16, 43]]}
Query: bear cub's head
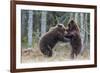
{"points": [[72, 26], [59, 29]]}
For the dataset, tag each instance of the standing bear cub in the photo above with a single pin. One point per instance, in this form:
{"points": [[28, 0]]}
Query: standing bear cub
{"points": [[73, 33], [50, 38]]}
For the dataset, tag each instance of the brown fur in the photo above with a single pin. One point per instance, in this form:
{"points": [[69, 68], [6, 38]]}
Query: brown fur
{"points": [[49, 39], [74, 35]]}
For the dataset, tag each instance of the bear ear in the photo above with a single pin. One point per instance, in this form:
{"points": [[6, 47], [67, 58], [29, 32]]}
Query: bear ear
{"points": [[72, 21], [60, 25]]}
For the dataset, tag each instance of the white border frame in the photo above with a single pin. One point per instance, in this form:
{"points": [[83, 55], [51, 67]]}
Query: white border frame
{"points": [[20, 65]]}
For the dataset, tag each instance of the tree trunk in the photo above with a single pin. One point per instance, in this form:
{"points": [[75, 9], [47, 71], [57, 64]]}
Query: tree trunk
{"points": [[71, 15], [43, 22], [82, 33], [86, 29], [76, 18], [30, 28], [23, 16]]}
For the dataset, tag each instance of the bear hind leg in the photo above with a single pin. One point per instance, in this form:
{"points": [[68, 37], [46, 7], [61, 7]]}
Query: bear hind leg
{"points": [[72, 54], [47, 51]]}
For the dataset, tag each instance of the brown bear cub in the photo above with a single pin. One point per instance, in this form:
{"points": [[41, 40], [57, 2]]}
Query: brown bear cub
{"points": [[50, 38], [73, 33]]}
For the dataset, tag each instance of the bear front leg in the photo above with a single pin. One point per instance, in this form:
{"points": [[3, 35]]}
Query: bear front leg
{"points": [[66, 40]]}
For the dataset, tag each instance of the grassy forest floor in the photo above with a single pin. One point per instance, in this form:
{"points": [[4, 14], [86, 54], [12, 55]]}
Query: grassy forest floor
{"points": [[61, 52]]}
